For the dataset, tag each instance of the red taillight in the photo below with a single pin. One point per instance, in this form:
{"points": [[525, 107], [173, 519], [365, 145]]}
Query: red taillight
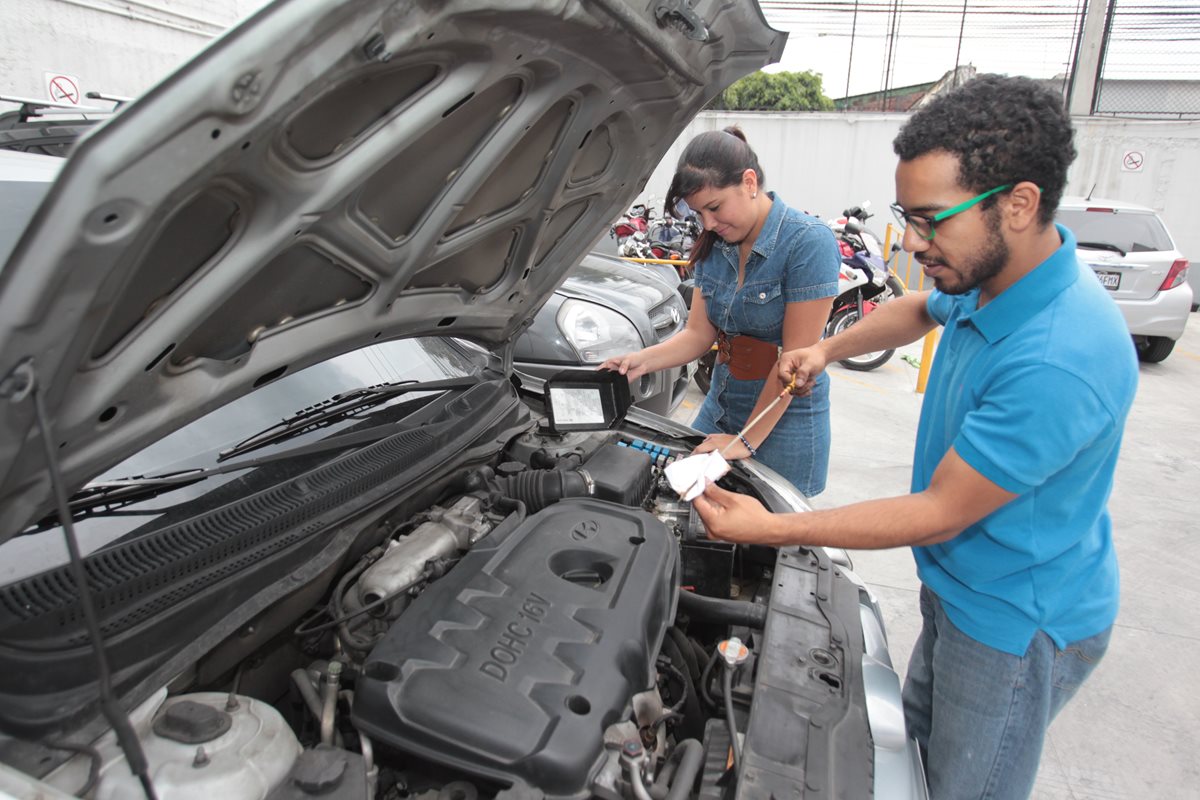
{"points": [[1176, 275]]}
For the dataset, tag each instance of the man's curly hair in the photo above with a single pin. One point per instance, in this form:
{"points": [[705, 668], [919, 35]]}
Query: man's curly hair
{"points": [[1003, 130]]}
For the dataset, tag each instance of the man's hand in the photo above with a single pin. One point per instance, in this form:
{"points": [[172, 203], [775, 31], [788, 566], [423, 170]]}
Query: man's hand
{"points": [[718, 442], [734, 517], [802, 365]]}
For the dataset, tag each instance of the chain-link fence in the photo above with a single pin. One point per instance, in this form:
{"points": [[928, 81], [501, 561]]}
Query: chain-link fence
{"points": [[1151, 60]]}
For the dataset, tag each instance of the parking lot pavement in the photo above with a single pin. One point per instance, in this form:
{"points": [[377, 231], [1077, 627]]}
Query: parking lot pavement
{"points": [[1131, 730]]}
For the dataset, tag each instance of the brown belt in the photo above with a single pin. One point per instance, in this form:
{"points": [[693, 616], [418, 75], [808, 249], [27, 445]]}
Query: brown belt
{"points": [[749, 359]]}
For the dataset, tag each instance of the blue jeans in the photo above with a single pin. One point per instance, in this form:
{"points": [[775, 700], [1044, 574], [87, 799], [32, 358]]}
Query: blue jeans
{"points": [[797, 447], [980, 715]]}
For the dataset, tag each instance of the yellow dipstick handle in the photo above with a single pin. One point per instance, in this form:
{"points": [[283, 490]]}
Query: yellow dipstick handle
{"points": [[741, 434]]}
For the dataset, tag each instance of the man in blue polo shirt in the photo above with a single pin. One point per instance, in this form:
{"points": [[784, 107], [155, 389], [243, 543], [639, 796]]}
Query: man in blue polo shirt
{"points": [[1017, 443]]}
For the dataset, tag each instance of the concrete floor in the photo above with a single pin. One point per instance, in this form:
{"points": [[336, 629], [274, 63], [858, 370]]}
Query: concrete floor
{"points": [[1132, 730]]}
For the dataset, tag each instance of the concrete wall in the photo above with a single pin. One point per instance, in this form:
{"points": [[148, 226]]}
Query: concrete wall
{"points": [[120, 47], [823, 163]]}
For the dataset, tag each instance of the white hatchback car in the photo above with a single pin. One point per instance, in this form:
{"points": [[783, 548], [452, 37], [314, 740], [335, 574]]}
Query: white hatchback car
{"points": [[1135, 258]]}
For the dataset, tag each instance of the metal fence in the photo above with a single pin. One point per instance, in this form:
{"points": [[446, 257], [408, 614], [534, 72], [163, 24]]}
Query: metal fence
{"points": [[1151, 66]]}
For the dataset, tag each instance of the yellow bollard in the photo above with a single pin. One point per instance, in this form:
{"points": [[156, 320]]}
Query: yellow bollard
{"points": [[926, 360], [930, 341]]}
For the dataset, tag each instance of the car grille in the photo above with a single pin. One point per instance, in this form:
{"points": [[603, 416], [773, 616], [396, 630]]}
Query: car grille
{"points": [[668, 317]]}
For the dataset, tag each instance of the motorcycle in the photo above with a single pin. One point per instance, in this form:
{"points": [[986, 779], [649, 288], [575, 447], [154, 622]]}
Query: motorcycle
{"points": [[864, 283], [636, 220]]}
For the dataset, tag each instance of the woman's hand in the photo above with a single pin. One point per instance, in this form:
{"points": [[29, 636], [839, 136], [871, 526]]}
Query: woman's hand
{"points": [[631, 365], [719, 441]]}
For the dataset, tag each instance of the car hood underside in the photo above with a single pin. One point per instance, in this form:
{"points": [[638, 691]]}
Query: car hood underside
{"points": [[328, 175]]}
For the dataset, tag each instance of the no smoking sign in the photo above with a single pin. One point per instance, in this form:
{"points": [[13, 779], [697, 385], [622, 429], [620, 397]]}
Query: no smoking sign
{"points": [[62, 88], [1133, 161]]}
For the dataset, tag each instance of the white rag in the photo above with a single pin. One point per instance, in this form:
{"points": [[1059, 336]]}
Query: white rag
{"points": [[690, 476]]}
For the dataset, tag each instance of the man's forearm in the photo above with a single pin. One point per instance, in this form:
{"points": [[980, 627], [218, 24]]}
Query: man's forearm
{"points": [[906, 520], [893, 324]]}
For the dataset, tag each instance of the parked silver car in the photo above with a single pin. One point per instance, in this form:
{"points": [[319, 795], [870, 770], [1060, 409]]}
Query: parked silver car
{"points": [[257, 364], [1135, 258]]}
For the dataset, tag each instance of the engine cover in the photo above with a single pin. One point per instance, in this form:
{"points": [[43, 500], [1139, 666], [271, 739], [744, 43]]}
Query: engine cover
{"points": [[512, 665]]}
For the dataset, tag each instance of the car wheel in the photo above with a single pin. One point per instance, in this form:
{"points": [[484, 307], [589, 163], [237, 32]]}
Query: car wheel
{"points": [[1153, 349]]}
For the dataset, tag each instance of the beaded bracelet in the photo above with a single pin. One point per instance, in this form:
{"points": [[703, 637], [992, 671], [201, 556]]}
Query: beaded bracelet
{"points": [[749, 447]]}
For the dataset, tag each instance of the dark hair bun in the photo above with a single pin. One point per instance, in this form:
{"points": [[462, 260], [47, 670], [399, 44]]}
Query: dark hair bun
{"points": [[735, 131]]}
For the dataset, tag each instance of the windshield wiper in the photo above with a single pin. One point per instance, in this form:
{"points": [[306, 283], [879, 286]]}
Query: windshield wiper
{"points": [[119, 492], [123, 491], [336, 408], [1100, 246]]}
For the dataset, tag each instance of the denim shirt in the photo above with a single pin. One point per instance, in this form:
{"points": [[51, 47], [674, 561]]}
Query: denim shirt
{"points": [[795, 258]]}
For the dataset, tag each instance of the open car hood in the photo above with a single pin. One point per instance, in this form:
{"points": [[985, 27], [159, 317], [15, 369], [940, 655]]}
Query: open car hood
{"points": [[328, 175]]}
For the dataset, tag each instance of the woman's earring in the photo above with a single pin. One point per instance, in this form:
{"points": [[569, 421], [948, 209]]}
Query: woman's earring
{"points": [[754, 195]]}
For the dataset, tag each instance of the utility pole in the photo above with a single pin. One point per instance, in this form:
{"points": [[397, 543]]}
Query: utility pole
{"points": [[853, 29], [1082, 90]]}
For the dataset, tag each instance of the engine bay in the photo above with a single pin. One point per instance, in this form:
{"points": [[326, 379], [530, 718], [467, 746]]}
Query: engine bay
{"points": [[555, 625]]}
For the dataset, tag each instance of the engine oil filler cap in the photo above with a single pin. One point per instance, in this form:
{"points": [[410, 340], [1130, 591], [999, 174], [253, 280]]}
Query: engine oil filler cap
{"points": [[189, 722]]}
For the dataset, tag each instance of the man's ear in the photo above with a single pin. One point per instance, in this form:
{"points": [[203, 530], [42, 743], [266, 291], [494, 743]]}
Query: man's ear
{"points": [[1024, 202]]}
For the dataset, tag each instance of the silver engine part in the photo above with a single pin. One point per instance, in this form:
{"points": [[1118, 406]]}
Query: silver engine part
{"points": [[446, 532]]}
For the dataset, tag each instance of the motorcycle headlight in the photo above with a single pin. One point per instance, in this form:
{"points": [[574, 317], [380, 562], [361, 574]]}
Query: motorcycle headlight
{"points": [[596, 332]]}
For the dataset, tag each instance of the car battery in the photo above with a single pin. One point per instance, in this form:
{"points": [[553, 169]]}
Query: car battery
{"points": [[706, 565]]}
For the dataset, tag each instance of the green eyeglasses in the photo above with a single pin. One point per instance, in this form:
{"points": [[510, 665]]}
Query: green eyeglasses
{"points": [[923, 224]]}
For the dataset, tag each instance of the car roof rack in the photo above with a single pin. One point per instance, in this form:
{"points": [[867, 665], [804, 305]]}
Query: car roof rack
{"points": [[32, 107], [116, 99]]}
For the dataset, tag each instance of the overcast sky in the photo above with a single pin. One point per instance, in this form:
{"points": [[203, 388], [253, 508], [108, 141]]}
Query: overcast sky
{"points": [[1151, 39]]}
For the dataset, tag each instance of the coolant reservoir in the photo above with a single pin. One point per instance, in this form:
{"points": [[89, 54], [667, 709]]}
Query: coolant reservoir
{"points": [[197, 748]]}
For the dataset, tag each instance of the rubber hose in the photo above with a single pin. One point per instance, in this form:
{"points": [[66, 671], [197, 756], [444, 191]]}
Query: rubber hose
{"points": [[686, 653], [730, 612], [706, 676], [684, 778], [539, 488], [730, 720], [692, 724]]}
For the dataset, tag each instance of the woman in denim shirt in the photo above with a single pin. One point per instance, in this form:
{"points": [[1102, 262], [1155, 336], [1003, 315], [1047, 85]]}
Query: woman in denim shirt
{"points": [[766, 276]]}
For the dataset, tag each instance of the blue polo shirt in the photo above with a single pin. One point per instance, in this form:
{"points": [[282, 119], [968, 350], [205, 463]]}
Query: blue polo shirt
{"points": [[1032, 391]]}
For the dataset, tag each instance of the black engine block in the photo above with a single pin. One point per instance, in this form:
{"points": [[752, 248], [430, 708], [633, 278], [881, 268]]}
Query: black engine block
{"points": [[511, 666]]}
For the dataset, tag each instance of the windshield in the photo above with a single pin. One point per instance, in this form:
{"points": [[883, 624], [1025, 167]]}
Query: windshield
{"points": [[1132, 231], [198, 444]]}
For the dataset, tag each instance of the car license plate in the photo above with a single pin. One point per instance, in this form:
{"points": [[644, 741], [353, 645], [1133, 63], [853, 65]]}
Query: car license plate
{"points": [[1109, 280]]}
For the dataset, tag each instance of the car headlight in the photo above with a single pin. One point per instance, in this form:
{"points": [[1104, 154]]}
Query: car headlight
{"points": [[596, 332]]}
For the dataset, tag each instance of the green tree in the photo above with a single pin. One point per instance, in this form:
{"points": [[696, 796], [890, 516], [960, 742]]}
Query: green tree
{"points": [[774, 91]]}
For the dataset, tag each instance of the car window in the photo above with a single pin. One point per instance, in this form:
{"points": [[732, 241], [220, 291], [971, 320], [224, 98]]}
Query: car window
{"points": [[1132, 231], [425, 359], [198, 443], [24, 181]]}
